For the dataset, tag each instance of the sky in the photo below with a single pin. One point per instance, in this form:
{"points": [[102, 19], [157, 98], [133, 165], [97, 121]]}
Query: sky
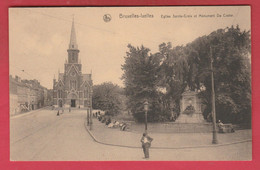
{"points": [[39, 37]]}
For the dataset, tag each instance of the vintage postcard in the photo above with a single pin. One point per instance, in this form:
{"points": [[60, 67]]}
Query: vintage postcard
{"points": [[130, 83]]}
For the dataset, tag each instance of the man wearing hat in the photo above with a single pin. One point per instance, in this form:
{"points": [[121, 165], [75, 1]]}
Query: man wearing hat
{"points": [[146, 144]]}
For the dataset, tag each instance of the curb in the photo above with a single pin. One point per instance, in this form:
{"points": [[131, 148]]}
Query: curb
{"points": [[182, 147], [94, 138]]}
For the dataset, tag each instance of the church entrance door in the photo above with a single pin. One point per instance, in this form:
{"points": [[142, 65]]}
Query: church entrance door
{"points": [[73, 103]]}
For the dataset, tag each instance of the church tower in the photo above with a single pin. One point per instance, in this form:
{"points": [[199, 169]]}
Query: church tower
{"points": [[73, 89], [73, 51]]}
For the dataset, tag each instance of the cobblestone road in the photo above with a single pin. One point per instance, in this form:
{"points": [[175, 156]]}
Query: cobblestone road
{"points": [[44, 136]]}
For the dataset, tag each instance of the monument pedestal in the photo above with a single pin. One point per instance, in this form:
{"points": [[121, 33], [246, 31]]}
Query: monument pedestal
{"points": [[194, 118]]}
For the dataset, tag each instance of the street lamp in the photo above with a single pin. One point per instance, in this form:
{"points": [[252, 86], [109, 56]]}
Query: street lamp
{"points": [[171, 108], [88, 117], [146, 110], [214, 140], [91, 92]]}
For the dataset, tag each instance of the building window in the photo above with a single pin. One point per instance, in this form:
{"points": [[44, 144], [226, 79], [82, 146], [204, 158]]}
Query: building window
{"points": [[59, 94], [73, 57], [86, 93], [73, 73], [55, 95], [73, 84], [80, 94]]}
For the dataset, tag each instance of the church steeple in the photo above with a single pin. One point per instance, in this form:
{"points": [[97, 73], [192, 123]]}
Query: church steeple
{"points": [[73, 50], [73, 42]]}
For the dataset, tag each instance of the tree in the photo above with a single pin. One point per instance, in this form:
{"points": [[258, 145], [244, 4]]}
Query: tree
{"points": [[108, 97], [231, 67], [141, 79], [175, 68], [173, 75]]}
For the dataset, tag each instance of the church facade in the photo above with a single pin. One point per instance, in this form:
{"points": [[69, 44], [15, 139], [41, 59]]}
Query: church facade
{"points": [[72, 88]]}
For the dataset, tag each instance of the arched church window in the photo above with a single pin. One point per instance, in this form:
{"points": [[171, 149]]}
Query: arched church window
{"points": [[73, 84], [73, 73], [86, 93], [59, 94]]}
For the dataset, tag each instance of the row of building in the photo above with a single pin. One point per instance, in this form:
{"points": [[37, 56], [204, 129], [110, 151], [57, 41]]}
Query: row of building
{"points": [[26, 95]]}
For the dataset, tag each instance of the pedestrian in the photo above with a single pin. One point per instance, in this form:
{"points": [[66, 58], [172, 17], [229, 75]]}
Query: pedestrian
{"points": [[69, 109], [220, 126], [58, 113], [146, 144], [108, 121]]}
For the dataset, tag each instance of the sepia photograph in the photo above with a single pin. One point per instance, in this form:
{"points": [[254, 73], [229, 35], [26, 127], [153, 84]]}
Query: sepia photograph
{"points": [[130, 83]]}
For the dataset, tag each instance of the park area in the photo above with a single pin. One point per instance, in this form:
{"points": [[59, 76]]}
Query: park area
{"points": [[166, 135]]}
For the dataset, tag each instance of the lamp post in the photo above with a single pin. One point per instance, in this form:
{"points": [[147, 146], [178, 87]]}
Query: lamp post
{"points": [[171, 108], [146, 110], [90, 122], [214, 137], [88, 117]]}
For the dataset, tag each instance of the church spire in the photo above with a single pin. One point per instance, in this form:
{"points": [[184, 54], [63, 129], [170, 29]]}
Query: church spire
{"points": [[73, 42]]}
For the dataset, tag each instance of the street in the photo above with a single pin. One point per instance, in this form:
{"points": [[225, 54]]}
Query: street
{"points": [[43, 136]]}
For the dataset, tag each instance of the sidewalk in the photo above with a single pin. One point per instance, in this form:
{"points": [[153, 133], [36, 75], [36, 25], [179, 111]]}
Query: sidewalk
{"points": [[27, 113], [113, 136]]}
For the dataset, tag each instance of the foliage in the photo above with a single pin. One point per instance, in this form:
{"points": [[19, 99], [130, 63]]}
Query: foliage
{"points": [[232, 73], [108, 97], [175, 68], [140, 78], [173, 75]]}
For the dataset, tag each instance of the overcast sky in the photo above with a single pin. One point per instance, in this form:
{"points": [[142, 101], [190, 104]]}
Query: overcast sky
{"points": [[39, 37]]}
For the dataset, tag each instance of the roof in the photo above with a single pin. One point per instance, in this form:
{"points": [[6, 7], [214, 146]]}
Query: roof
{"points": [[86, 77], [60, 76], [73, 42]]}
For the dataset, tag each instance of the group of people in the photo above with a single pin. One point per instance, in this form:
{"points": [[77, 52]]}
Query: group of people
{"points": [[109, 123]]}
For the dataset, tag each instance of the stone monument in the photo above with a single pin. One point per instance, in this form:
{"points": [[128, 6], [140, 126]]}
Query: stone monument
{"points": [[190, 108]]}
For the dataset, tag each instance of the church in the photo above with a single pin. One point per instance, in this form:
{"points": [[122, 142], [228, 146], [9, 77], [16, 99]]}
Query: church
{"points": [[72, 88]]}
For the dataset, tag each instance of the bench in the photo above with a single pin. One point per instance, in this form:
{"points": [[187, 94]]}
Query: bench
{"points": [[226, 128]]}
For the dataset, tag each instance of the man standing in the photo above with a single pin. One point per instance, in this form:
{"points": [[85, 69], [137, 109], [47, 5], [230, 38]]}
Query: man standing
{"points": [[146, 144]]}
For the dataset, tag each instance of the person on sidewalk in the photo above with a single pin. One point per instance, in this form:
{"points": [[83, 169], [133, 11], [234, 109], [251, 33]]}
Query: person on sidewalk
{"points": [[146, 144], [220, 126]]}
